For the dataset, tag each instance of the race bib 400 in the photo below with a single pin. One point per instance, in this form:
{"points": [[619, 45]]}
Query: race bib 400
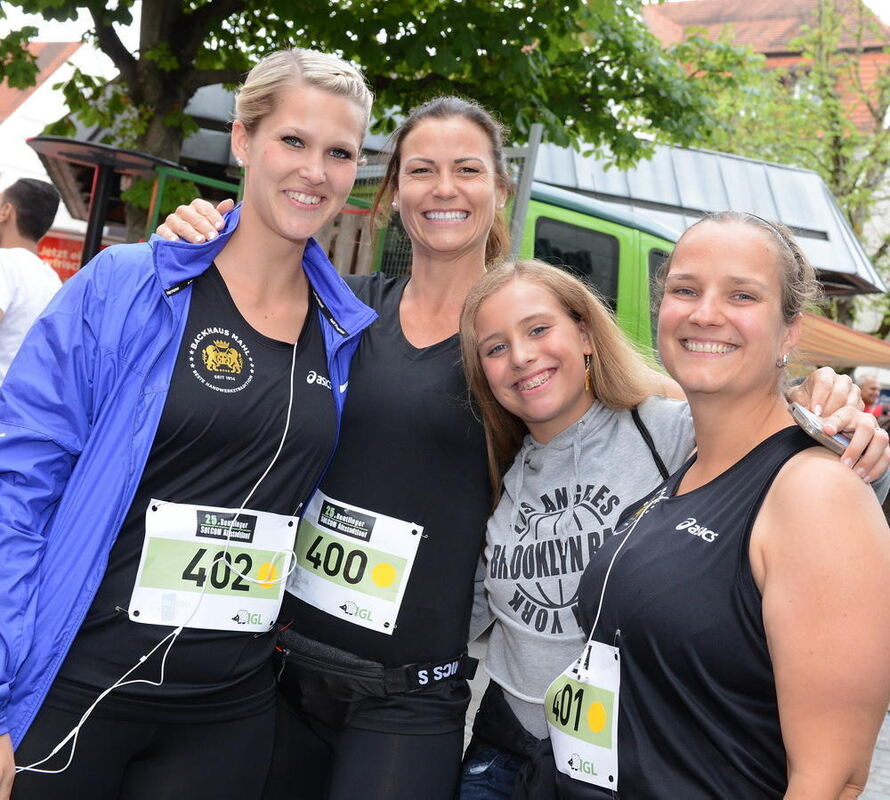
{"points": [[354, 563]]}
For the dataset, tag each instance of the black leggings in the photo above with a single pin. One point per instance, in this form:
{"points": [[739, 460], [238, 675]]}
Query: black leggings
{"points": [[318, 763], [126, 760]]}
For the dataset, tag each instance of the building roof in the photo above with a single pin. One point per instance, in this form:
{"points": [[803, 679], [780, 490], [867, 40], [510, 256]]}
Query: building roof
{"points": [[679, 185], [50, 56], [768, 26]]}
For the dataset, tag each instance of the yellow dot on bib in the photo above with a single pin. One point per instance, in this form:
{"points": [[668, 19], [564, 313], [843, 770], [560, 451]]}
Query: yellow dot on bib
{"points": [[596, 717], [383, 575], [267, 574]]}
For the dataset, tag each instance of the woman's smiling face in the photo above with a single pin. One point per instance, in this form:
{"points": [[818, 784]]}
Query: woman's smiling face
{"points": [[301, 161], [720, 325], [448, 187], [532, 353]]}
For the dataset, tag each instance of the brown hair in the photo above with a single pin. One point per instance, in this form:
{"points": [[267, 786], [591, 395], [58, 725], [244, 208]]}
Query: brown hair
{"points": [[800, 288], [617, 372], [498, 244]]}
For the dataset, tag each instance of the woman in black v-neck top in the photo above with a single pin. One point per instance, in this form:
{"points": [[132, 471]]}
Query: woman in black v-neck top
{"points": [[411, 448], [749, 603]]}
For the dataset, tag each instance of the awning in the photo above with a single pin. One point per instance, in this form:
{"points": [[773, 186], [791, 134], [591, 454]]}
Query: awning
{"points": [[824, 342]]}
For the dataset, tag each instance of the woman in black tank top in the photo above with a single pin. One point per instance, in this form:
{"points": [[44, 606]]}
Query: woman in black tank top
{"points": [[749, 607]]}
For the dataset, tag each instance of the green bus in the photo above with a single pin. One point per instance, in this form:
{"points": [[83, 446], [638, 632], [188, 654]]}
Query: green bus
{"points": [[615, 251]]}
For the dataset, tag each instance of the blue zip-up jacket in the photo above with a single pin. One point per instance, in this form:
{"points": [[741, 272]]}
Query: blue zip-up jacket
{"points": [[78, 413]]}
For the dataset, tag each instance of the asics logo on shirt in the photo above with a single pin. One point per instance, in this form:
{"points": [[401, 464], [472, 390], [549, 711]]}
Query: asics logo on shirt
{"points": [[313, 377], [691, 525]]}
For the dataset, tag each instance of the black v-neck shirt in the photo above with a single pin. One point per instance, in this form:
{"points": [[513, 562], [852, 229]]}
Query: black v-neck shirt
{"points": [[222, 423], [410, 447]]}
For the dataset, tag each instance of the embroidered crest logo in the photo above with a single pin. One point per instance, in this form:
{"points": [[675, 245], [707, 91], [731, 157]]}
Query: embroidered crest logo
{"points": [[220, 356], [221, 360]]}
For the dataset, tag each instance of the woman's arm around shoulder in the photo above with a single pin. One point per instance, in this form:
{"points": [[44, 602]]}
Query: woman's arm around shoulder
{"points": [[820, 554]]}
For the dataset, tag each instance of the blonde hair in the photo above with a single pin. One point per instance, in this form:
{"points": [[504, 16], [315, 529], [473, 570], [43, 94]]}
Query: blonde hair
{"points": [[497, 246], [287, 68], [617, 371]]}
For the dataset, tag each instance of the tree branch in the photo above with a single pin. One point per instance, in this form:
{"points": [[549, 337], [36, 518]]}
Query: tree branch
{"points": [[882, 250], [113, 47], [205, 77], [193, 32]]}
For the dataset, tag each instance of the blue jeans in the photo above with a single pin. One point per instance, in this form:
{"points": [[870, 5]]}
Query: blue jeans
{"points": [[490, 775]]}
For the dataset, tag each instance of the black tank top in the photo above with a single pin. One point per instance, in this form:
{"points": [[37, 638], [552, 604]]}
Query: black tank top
{"points": [[698, 716]]}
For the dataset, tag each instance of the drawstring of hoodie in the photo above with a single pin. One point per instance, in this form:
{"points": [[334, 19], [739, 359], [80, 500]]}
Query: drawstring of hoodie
{"points": [[517, 487], [568, 517], [564, 526]]}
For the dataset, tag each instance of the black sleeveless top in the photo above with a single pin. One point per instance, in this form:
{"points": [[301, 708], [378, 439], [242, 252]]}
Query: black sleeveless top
{"points": [[698, 716]]}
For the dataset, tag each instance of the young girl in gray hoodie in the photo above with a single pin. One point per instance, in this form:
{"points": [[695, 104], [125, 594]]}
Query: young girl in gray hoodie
{"points": [[564, 397]]}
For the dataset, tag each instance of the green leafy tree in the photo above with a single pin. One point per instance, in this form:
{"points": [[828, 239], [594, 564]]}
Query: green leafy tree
{"points": [[589, 70], [802, 116]]}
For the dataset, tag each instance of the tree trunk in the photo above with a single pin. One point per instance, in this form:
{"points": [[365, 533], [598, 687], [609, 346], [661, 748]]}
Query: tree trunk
{"points": [[163, 95]]}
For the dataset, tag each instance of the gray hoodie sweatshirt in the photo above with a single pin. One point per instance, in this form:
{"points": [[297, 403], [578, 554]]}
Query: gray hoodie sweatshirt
{"points": [[561, 500]]}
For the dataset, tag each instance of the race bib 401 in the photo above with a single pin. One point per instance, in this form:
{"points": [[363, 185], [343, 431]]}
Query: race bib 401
{"points": [[581, 706]]}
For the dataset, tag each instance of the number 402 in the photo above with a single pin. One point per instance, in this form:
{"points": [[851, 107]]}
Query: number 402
{"points": [[220, 571]]}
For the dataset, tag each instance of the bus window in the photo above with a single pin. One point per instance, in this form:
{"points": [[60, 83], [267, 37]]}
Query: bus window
{"points": [[656, 259], [591, 255]]}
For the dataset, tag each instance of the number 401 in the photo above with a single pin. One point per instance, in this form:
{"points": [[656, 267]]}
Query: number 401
{"points": [[565, 702]]}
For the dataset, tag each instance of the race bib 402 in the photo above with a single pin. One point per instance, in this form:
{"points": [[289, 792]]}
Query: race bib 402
{"points": [[212, 568]]}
